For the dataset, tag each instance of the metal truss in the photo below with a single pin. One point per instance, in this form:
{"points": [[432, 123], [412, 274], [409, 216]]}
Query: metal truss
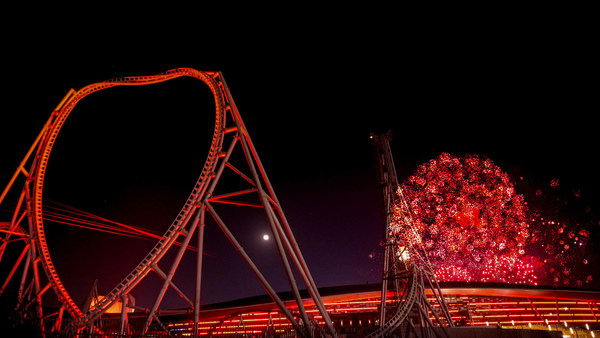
{"points": [[27, 223], [407, 271]]}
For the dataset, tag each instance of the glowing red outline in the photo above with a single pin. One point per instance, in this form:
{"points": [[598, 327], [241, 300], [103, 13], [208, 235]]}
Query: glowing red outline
{"points": [[214, 81]]}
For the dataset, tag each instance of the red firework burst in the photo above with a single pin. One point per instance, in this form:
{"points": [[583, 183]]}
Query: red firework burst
{"points": [[470, 220]]}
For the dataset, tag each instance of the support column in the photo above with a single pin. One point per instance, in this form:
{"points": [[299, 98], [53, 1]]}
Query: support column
{"points": [[124, 317], [199, 271], [168, 278]]}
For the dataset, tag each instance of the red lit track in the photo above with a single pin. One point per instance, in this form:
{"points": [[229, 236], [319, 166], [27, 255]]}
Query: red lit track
{"points": [[176, 228]]}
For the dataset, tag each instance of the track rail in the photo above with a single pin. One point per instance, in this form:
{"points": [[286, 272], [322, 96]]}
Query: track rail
{"points": [[59, 116], [403, 308]]}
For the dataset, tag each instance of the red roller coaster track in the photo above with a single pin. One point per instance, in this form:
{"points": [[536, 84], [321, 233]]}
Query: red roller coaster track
{"points": [[229, 134]]}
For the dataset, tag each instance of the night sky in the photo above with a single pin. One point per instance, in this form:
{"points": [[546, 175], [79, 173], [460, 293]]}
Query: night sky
{"points": [[309, 102]]}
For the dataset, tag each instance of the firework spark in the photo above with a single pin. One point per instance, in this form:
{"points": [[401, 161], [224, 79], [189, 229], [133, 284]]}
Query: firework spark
{"points": [[560, 237]]}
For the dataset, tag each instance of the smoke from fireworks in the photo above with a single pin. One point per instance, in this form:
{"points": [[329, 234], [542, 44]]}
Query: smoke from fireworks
{"points": [[475, 227]]}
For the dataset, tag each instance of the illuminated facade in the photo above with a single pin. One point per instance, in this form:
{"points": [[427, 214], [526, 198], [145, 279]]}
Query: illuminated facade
{"points": [[355, 311]]}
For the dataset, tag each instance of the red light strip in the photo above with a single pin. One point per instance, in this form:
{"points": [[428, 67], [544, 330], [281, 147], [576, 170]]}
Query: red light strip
{"points": [[504, 311]]}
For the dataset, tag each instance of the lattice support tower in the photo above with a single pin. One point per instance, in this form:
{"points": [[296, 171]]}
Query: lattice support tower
{"points": [[407, 272], [230, 135]]}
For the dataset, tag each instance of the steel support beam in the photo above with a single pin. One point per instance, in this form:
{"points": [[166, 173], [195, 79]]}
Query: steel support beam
{"points": [[169, 277], [199, 271], [124, 327], [293, 248], [276, 234], [254, 268], [14, 268]]}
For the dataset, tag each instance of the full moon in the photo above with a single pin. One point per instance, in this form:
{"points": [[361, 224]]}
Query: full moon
{"points": [[266, 237]]}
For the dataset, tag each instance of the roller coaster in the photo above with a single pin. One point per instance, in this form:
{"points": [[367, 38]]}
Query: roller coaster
{"points": [[26, 228]]}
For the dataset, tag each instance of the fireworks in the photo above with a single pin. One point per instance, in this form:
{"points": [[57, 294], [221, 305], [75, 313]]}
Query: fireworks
{"points": [[470, 220], [475, 227], [560, 237]]}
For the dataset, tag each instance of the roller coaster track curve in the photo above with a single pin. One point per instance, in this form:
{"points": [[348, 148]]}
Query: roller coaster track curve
{"points": [[59, 116]]}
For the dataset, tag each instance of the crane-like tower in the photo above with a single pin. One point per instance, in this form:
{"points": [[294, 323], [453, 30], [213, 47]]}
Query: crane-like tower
{"points": [[407, 272]]}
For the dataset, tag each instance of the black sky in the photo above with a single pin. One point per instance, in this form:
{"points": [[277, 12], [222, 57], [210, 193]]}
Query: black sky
{"points": [[525, 99]]}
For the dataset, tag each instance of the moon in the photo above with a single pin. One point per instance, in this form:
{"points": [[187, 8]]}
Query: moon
{"points": [[265, 237]]}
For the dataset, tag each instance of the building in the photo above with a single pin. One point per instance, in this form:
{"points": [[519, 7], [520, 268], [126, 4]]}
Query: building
{"points": [[354, 311]]}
